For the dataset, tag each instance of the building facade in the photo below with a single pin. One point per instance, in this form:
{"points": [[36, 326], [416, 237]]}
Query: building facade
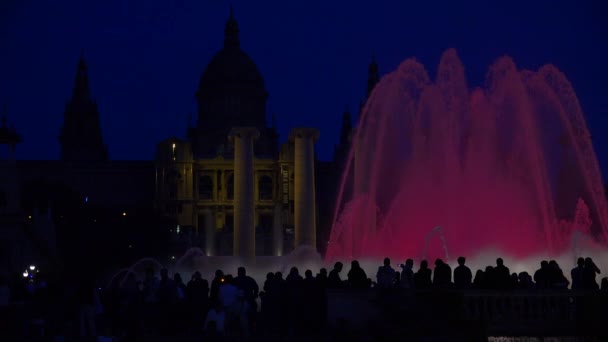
{"points": [[228, 186], [198, 181]]}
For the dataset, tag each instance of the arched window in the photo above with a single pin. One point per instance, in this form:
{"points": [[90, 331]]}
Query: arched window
{"points": [[205, 188], [230, 187], [265, 188]]}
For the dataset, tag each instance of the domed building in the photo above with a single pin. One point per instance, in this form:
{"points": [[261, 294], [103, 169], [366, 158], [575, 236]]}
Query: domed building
{"points": [[231, 93], [243, 202], [227, 187]]}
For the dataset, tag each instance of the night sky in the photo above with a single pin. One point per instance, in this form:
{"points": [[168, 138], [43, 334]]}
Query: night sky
{"points": [[145, 58]]}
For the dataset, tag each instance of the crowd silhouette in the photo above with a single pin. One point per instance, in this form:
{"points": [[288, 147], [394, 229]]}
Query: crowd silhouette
{"points": [[236, 308]]}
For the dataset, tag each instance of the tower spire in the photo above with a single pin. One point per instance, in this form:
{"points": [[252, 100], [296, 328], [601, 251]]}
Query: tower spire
{"points": [[80, 135], [231, 32], [81, 90]]}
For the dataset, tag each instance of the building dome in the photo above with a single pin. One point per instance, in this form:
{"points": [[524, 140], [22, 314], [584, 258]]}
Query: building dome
{"points": [[231, 69], [231, 91]]}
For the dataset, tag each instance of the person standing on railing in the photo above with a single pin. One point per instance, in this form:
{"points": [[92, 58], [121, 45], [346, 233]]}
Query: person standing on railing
{"points": [[334, 281], [501, 275], [422, 278], [541, 276], [407, 275], [462, 275], [577, 274], [557, 279], [385, 275], [443, 274], [357, 279], [589, 272]]}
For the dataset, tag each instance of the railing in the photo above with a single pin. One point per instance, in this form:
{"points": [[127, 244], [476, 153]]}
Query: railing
{"points": [[499, 313]]}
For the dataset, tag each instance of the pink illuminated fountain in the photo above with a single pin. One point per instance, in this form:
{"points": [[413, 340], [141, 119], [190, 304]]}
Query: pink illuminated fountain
{"points": [[508, 168]]}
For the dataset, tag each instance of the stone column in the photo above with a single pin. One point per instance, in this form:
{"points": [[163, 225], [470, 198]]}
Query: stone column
{"points": [[244, 230], [304, 192], [209, 225], [277, 230]]}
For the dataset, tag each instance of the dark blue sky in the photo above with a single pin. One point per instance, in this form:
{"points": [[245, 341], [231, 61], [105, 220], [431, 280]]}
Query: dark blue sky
{"points": [[145, 58]]}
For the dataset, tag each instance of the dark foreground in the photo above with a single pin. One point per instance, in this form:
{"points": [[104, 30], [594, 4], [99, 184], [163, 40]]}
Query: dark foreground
{"points": [[350, 315], [426, 305]]}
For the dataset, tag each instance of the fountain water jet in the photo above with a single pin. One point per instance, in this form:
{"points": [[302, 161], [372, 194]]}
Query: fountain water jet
{"points": [[191, 252], [132, 270], [504, 167], [436, 231], [121, 271]]}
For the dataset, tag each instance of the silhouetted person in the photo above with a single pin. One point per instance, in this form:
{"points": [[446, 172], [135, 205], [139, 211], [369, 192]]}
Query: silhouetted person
{"points": [[333, 280], [541, 276], [167, 292], [489, 278], [407, 275], [357, 278], [462, 275], [272, 300], [604, 287], [167, 298], [502, 275], [443, 274], [294, 300], [385, 276], [589, 272], [180, 287], [150, 286], [242, 315], [577, 274], [279, 283], [294, 277], [556, 276], [308, 278], [525, 281], [480, 280], [322, 278], [215, 287], [248, 285], [422, 278], [227, 293], [178, 310], [396, 280], [514, 281], [197, 292], [212, 333], [150, 308], [268, 283], [311, 305], [216, 319]]}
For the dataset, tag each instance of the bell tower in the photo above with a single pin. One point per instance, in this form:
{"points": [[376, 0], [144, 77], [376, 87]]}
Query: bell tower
{"points": [[80, 136]]}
